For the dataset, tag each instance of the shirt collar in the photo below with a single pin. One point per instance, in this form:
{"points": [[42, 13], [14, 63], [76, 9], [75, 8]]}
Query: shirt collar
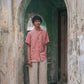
{"points": [[36, 30]]}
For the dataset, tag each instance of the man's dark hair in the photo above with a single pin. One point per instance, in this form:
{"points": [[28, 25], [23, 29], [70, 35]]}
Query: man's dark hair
{"points": [[36, 18]]}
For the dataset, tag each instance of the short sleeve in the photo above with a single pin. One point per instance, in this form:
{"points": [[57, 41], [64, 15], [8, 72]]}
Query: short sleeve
{"points": [[28, 38], [47, 38]]}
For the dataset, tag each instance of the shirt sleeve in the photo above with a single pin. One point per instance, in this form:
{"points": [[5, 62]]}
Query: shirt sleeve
{"points": [[28, 38], [47, 38]]}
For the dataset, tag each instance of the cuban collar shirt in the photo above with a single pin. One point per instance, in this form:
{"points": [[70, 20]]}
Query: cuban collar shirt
{"points": [[37, 40]]}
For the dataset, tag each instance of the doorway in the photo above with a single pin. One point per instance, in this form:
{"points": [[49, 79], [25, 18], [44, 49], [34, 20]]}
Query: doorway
{"points": [[50, 11]]}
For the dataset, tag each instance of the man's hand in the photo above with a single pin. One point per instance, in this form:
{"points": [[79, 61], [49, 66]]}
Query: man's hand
{"points": [[29, 63]]}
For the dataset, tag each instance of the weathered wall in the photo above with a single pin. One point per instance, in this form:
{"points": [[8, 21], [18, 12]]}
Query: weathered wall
{"points": [[11, 41], [11, 68], [7, 58], [75, 42]]}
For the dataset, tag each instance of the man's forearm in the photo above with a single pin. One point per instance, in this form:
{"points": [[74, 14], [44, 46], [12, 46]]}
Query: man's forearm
{"points": [[29, 48], [46, 48]]}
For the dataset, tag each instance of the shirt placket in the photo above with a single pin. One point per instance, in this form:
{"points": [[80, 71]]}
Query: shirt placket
{"points": [[39, 44]]}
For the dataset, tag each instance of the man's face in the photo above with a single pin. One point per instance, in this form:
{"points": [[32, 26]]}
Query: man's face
{"points": [[37, 23]]}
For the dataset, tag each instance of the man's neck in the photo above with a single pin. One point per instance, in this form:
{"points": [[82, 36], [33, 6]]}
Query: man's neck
{"points": [[37, 28]]}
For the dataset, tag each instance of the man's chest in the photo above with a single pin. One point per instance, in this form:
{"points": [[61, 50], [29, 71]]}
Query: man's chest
{"points": [[37, 37]]}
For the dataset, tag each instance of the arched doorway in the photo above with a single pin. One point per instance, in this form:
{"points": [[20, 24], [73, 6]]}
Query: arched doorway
{"points": [[50, 12]]}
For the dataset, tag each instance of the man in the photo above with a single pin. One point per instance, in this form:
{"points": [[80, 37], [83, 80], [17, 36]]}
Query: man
{"points": [[37, 40]]}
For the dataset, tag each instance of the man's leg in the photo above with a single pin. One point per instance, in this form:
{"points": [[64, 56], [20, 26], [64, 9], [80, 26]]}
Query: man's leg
{"points": [[33, 73], [43, 72]]}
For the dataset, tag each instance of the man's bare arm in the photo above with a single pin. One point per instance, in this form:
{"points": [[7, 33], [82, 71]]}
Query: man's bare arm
{"points": [[28, 52], [46, 48]]}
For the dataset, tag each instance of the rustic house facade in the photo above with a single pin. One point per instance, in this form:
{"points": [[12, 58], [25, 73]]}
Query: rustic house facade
{"points": [[64, 20]]}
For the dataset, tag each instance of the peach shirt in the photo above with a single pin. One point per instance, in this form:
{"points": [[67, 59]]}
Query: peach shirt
{"points": [[37, 40]]}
